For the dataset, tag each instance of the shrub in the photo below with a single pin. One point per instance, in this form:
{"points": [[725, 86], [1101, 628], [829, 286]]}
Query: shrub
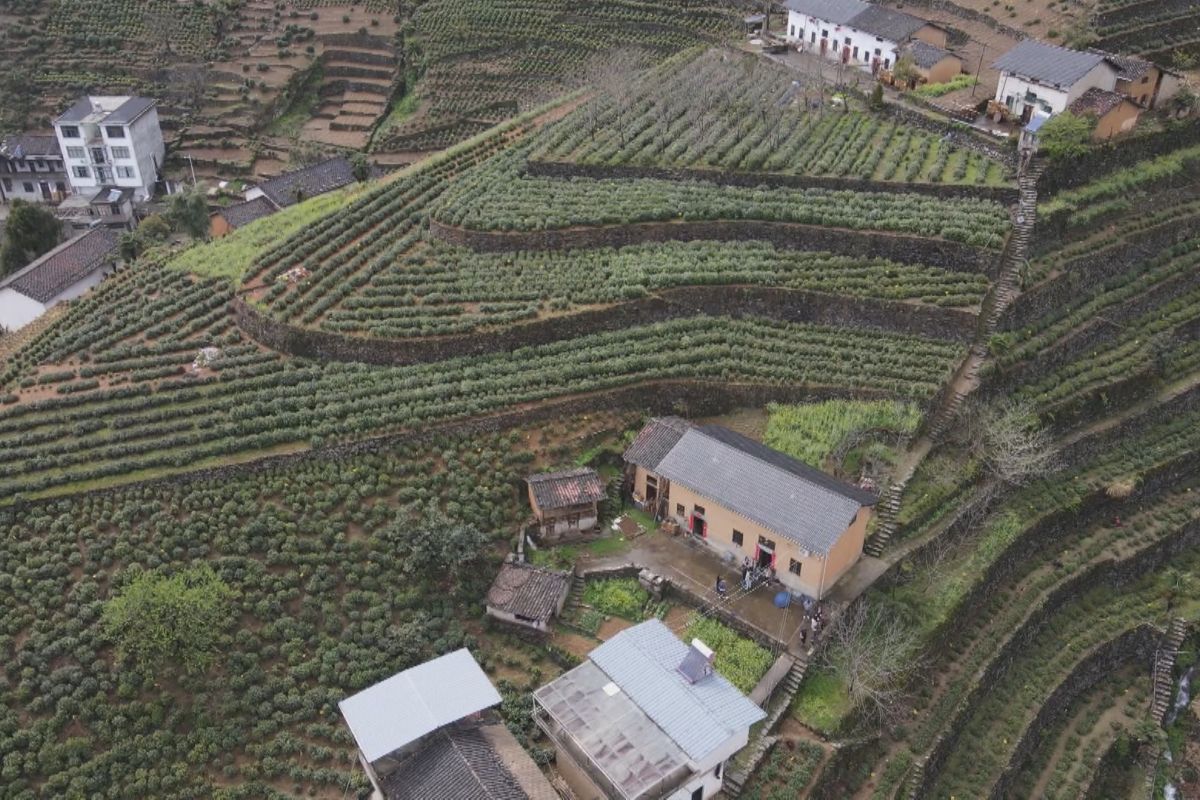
{"points": [[619, 597]]}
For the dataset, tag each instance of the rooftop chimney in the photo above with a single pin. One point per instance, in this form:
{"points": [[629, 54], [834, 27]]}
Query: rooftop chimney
{"points": [[697, 664]]}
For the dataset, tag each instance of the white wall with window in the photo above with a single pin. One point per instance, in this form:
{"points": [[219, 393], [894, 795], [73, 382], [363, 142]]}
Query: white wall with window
{"points": [[126, 152], [1024, 97], [841, 43]]}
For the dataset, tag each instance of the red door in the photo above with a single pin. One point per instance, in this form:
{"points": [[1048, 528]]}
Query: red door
{"points": [[845, 53]]}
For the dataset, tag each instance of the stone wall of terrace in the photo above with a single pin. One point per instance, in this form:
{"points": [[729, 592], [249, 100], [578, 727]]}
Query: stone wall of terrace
{"points": [[570, 169], [1109, 157], [1082, 275], [942, 253], [1109, 573], [785, 305], [1137, 644]]}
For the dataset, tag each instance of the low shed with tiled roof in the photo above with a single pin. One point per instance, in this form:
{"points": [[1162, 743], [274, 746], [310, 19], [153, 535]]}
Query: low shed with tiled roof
{"points": [[565, 502], [64, 273], [299, 185], [525, 595], [1113, 112], [747, 500]]}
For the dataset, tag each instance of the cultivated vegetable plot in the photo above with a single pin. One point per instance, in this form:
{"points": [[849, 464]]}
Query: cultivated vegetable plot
{"points": [[315, 553], [499, 196], [724, 110], [438, 289]]}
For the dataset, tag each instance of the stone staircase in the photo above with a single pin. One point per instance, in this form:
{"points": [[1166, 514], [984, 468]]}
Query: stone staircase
{"points": [[887, 508], [737, 778], [575, 596], [1164, 667]]}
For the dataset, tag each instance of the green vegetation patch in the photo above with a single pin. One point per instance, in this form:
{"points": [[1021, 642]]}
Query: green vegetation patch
{"points": [[787, 771], [811, 431], [740, 660], [618, 597], [230, 256], [823, 701]]}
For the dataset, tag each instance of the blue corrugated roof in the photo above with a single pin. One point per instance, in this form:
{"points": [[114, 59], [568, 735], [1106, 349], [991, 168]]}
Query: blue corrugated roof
{"points": [[699, 717]]}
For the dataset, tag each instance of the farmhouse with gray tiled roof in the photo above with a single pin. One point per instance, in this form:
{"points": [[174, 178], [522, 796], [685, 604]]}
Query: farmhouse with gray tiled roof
{"points": [[64, 273], [526, 595], [747, 500], [292, 187], [854, 32], [634, 725], [1044, 79]]}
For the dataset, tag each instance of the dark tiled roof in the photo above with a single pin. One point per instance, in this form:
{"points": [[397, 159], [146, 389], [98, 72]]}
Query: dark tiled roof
{"points": [[925, 55], [528, 591], [655, 440], [1096, 103], [895, 26], [1048, 63], [290, 187], [569, 487], [30, 145], [836, 11], [128, 111], [456, 764], [79, 110], [1131, 68], [66, 264], [241, 214]]}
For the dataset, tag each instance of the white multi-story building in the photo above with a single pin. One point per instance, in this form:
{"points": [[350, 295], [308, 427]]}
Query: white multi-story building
{"points": [[111, 143], [1039, 79]]}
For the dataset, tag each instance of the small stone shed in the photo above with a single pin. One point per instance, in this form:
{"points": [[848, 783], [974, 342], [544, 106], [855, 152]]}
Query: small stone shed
{"points": [[526, 595], [565, 503]]}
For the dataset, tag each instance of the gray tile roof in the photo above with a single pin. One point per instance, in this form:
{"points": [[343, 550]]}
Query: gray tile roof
{"points": [[241, 214], [1131, 68], [895, 26], [410, 704], [30, 145], [80, 110], [1049, 64], [290, 187], [454, 765], [528, 591], [765, 486], [925, 55], [130, 110], [569, 487], [655, 440], [70, 262], [698, 717], [1096, 102], [838, 12]]}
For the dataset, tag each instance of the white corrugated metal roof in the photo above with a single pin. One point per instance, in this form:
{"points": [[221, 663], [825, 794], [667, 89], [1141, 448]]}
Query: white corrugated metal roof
{"points": [[699, 717], [417, 701]]}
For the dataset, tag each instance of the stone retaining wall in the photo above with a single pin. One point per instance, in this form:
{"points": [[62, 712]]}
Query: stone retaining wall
{"points": [[1082, 276], [1060, 175], [904, 249], [785, 305], [1137, 644], [570, 169], [1108, 572]]}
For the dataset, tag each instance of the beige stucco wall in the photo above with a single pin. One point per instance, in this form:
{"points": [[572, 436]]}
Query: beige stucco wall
{"points": [[931, 34], [1121, 119], [944, 70], [817, 575], [505, 616], [1141, 90]]}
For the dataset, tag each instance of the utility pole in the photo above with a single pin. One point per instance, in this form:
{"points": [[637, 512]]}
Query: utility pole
{"points": [[979, 67]]}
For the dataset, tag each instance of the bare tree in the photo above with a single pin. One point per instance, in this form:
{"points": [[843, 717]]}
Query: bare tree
{"points": [[1010, 442], [614, 77], [876, 654]]}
